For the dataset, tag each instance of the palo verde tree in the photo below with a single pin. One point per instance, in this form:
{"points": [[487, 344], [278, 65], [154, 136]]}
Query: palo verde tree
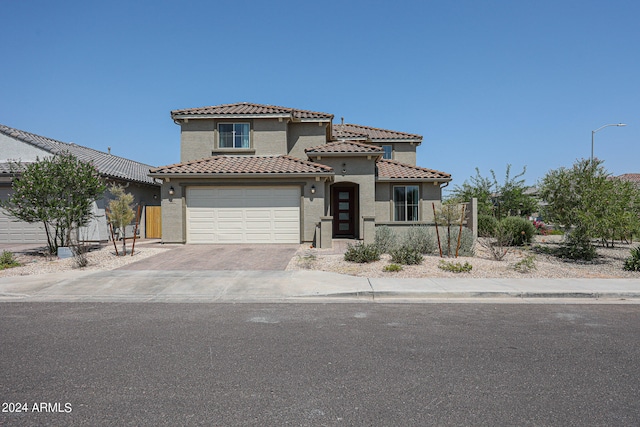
{"points": [[590, 203], [497, 199], [121, 212], [56, 191]]}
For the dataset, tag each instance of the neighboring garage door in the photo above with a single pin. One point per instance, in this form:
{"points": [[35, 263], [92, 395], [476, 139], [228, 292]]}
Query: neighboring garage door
{"points": [[243, 215], [12, 231]]}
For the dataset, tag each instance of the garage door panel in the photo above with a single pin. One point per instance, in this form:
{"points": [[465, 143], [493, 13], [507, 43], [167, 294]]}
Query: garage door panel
{"points": [[243, 215], [229, 214]]}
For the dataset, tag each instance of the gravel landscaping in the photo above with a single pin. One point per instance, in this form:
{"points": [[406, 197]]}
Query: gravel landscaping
{"points": [[100, 258], [607, 265]]}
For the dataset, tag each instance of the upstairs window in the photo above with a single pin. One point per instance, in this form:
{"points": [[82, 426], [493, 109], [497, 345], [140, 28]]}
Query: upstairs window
{"points": [[388, 152], [234, 135], [405, 201]]}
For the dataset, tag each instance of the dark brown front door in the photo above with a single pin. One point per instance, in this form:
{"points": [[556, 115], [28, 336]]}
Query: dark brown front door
{"points": [[343, 211]]}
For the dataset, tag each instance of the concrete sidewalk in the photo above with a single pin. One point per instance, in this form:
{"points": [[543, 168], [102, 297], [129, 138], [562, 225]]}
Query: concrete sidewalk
{"points": [[303, 286]]}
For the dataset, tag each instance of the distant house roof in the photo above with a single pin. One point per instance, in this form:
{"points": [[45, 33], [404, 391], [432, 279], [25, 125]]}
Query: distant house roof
{"points": [[357, 132], [344, 147], [108, 165], [244, 165], [631, 177], [246, 109], [390, 170]]}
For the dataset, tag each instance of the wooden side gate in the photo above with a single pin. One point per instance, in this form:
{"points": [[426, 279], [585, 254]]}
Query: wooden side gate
{"points": [[153, 222]]}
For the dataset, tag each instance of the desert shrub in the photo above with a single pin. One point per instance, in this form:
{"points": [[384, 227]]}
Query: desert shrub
{"points": [[526, 264], [455, 267], [406, 255], [307, 260], [392, 268], [421, 239], [520, 229], [577, 246], [555, 232], [362, 253], [486, 225], [633, 262], [497, 244], [449, 242], [385, 239], [7, 260]]}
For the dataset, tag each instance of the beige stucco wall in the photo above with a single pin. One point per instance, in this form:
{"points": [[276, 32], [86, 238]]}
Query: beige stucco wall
{"points": [[269, 137], [174, 208], [197, 139], [405, 153], [305, 135]]}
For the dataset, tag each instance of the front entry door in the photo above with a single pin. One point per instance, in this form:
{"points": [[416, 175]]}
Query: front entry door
{"points": [[343, 212]]}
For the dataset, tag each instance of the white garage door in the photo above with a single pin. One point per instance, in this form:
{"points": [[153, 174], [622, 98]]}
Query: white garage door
{"points": [[12, 231], [243, 215]]}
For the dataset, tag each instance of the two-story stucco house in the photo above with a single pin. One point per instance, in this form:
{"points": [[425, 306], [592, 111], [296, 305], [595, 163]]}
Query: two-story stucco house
{"points": [[253, 173]]}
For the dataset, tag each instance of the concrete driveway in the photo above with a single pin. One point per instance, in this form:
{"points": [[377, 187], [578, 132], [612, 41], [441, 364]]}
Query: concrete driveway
{"points": [[219, 257]]}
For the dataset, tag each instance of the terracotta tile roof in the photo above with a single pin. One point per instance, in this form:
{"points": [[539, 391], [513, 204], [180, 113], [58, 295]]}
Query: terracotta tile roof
{"points": [[350, 131], [108, 165], [631, 177], [390, 169], [254, 165], [344, 147], [249, 109]]}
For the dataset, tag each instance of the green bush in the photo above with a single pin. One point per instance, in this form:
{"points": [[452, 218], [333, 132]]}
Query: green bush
{"points": [[406, 255], [526, 264], [467, 242], [633, 262], [385, 239], [421, 239], [392, 268], [7, 260], [577, 246], [486, 225], [362, 253], [455, 267], [519, 229]]}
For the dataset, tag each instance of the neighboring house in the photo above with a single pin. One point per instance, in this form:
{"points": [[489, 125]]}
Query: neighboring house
{"points": [[253, 173], [24, 147], [631, 177]]}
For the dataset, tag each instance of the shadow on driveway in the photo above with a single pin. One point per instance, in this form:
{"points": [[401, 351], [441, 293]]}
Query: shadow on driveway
{"points": [[219, 257]]}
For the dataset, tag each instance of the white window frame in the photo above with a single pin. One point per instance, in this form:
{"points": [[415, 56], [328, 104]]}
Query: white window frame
{"points": [[233, 132], [406, 206], [384, 156]]}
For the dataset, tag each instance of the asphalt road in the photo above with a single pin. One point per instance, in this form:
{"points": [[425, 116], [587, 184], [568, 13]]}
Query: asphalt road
{"points": [[324, 364]]}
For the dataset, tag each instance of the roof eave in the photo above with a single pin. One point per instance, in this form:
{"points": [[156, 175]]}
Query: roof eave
{"points": [[344, 154], [241, 175], [413, 179], [389, 140], [250, 116]]}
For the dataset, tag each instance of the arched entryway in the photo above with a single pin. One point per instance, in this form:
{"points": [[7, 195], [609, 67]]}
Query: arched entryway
{"points": [[345, 209]]}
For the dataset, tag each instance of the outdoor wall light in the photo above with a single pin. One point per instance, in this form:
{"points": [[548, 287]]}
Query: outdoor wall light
{"points": [[344, 168], [313, 189], [171, 191]]}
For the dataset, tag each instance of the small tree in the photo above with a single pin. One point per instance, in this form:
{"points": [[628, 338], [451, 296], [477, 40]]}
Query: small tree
{"points": [[121, 212], [590, 204], [56, 191], [494, 198]]}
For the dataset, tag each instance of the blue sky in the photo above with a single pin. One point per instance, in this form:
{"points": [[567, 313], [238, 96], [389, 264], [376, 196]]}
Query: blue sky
{"points": [[487, 83]]}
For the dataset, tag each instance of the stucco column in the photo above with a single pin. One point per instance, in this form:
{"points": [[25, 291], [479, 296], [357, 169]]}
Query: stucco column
{"points": [[369, 231], [326, 232], [471, 216]]}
